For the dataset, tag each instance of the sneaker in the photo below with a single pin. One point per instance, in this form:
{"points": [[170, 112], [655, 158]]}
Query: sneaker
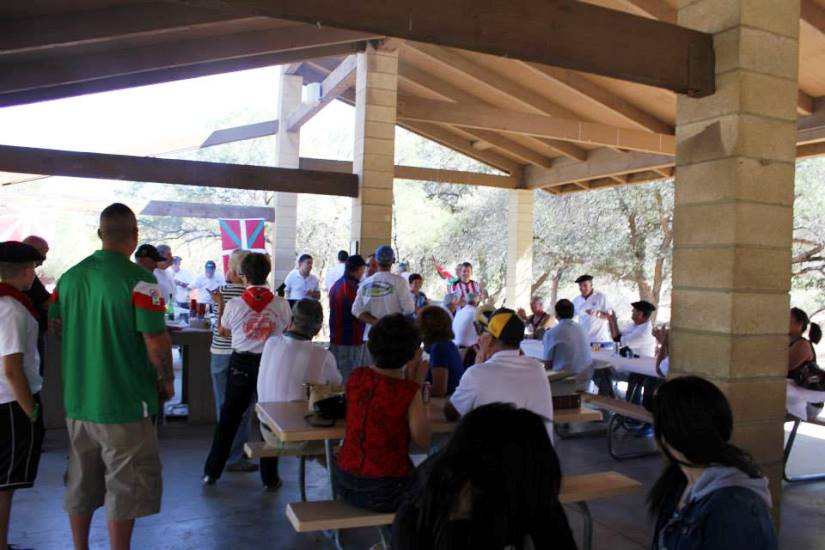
{"points": [[273, 488], [209, 480], [242, 466]]}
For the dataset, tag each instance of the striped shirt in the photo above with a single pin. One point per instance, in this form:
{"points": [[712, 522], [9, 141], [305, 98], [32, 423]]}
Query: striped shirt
{"points": [[344, 328], [461, 289], [222, 345]]}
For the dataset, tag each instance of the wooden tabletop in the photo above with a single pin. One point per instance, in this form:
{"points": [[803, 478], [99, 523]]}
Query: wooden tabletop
{"points": [[287, 419]]}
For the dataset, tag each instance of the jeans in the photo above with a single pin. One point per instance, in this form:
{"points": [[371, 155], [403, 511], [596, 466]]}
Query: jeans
{"points": [[349, 357], [378, 494], [240, 390], [220, 374]]}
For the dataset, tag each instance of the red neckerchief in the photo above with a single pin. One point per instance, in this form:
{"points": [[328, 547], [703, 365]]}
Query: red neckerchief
{"points": [[257, 297], [8, 290]]}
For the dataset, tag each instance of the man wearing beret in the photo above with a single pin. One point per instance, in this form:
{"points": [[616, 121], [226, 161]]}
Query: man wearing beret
{"points": [[21, 423], [592, 311], [638, 335]]}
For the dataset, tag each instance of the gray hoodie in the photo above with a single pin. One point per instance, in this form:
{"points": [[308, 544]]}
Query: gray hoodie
{"points": [[720, 477]]}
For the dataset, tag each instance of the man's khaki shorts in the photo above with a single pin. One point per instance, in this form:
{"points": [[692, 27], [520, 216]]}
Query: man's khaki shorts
{"points": [[113, 464]]}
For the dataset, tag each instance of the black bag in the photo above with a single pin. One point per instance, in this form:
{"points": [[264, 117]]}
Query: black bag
{"points": [[809, 376], [326, 411]]}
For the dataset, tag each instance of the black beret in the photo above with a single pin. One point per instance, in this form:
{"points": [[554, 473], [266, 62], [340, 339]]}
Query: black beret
{"points": [[584, 278], [13, 252], [149, 251]]}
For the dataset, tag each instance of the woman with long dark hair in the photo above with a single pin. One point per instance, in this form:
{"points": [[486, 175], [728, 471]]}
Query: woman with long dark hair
{"points": [[494, 486], [711, 495], [800, 349]]}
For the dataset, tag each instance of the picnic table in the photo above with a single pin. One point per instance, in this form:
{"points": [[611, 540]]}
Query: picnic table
{"points": [[645, 366]]}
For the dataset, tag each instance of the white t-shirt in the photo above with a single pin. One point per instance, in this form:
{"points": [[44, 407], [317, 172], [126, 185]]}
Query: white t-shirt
{"points": [[463, 328], [250, 329], [288, 363], [297, 285], [383, 294], [506, 377], [18, 334], [182, 276], [165, 282], [334, 273], [207, 286], [640, 339], [595, 329]]}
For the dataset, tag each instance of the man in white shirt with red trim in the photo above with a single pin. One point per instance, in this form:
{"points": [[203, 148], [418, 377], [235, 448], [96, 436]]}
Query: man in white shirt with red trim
{"points": [[502, 374], [251, 318], [21, 424]]}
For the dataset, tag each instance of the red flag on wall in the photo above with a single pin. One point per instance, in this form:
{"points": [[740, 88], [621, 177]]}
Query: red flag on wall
{"points": [[245, 233]]}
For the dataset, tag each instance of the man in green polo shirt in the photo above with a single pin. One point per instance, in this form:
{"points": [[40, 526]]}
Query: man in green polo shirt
{"points": [[117, 366]]}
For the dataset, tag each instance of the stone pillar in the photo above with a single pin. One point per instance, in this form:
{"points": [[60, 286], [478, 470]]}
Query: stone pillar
{"points": [[376, 93], [286, 204], [519, 248], [733, 218]]}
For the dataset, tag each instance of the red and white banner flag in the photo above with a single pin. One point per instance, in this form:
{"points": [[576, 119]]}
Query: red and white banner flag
{"points": [[248, 233]]}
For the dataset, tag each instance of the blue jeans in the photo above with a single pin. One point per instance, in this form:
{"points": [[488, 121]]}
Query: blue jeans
{"points": [[378, 494], [220, 374], [349, 357]]}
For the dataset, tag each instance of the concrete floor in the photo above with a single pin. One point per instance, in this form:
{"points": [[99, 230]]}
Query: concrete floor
{"points": [[237, 514]]}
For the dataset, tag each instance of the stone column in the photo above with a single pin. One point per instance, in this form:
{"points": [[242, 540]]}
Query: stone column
{"points": [[376, 93], [519, 248], [733, 218], [286, 204]]}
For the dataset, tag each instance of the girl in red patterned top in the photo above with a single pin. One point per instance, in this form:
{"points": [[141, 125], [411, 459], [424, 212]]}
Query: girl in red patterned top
{"points": [[385, 412]]}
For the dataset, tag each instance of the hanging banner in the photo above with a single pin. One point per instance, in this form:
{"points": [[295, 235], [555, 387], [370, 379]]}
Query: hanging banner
{"points": [[245, 233]]}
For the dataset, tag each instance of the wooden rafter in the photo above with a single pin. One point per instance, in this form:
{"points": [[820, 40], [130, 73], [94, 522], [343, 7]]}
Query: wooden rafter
{"points": [[655, 9], [175, 73], [805, 104], [588, 90], [448, 91], [337, 82], [618, 44], [181, 172], [603, 163], [205, 210], [488, 118]]}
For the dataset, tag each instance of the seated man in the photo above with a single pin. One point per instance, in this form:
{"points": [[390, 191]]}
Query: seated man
{"points": [[539, 321], [291, 360], [501, 374], [565, 346], [638, 336]]}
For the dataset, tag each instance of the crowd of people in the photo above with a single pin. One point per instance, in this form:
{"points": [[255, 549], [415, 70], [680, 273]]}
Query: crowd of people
{"points": [[392, 347]]}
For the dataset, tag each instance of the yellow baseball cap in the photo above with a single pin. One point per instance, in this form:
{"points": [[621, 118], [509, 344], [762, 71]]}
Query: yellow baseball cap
{"points": [[503, 324]]}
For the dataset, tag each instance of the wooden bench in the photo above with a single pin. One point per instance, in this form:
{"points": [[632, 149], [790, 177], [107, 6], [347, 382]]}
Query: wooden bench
{"points": [[259, 449], [619, 411], [789, 446], [324, 515]]}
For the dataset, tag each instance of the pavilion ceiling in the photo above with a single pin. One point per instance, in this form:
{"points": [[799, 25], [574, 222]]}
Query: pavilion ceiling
{"points": [[552, 128]]}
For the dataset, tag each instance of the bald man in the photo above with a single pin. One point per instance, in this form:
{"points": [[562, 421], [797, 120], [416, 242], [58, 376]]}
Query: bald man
{"points": [[39, 297], [113, 333]]}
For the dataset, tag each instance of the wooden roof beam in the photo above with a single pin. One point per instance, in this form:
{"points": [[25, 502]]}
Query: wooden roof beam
{"points": [[805, 104], [448, 91], [341, 79], [157, 76], [618, 44], [180, 172], [590, 91], [17, 77], [205, 210], [81, 27], [488, 118], [654, 9], [603, 163]]}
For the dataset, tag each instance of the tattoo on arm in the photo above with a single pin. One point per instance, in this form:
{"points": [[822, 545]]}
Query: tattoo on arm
{"points": [[162, 359]]}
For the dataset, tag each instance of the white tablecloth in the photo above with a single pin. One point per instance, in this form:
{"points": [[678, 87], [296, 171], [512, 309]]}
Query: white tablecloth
{"points": [[533, 348], [637, 365], [798, 398]]}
